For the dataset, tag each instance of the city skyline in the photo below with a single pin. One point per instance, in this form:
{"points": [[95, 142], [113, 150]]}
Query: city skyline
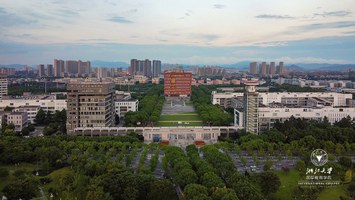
{"points": [[214, 32]]}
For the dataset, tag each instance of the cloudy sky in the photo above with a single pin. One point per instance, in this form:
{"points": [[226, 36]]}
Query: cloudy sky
{"points": [[179, 31]]}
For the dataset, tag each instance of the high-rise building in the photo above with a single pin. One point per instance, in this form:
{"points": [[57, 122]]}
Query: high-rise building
{"points": [[84, 67], [251, 103], [3, 85], [134, 66], [272, 68], [263, 69], [156, 68], [49, 70], [71, 67], [41, 71], [147, 68], [58, 68], [177, 83], [101, 72], [253, 68], [90, 103], [281, 68]]}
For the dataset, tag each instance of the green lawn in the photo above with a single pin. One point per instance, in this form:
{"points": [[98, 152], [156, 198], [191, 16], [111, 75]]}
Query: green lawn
{"points": [[289, 181], [333, 193]]}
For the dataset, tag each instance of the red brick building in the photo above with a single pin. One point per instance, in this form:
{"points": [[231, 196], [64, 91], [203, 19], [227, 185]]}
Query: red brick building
{"points": [[177, 83]]}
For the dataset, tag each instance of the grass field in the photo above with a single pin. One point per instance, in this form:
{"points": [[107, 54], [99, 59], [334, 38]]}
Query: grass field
{"points": [[187, 119], [289, 181]]}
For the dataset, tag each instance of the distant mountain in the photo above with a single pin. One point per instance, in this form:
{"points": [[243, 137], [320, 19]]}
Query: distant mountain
{"points": [[238, 65], [294, 67], [12, 65], [101, 63], [323, 66]]}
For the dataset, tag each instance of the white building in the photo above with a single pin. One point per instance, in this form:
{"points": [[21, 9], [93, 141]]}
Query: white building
{"points": [[19, 119], [122, 107], [281, 106], [30, 110], [289, 98], [46, 102]]}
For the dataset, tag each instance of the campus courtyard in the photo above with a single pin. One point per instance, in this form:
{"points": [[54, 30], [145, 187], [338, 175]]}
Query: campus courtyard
{"points": [[179, 112]]}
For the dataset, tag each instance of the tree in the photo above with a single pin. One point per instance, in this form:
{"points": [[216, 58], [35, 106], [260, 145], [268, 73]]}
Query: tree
{"points": [[225, 194], [186, 176], [193, 190], [40, 117], [9, 132], [351, 189], [8, 109], [269, 182], [211, 180], [301, 166], [345, 162], [161, 190], [267, 165], [24, 189], [25, 131]]}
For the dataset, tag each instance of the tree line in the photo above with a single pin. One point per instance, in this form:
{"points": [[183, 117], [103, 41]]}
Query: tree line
{"points": [[210, 114], [150, 107]]}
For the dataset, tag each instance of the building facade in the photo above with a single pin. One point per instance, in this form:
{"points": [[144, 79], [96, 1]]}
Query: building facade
{"points": [[251, 103], [90, 104], [124, 106], [177, 83], [3, 85]]}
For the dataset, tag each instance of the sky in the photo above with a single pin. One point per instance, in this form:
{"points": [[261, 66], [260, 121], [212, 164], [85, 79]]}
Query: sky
{"points": [[206, 32]]}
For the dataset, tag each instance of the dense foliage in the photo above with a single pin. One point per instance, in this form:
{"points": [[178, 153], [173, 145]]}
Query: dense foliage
{"points": [[150, 107], [210, 114]]}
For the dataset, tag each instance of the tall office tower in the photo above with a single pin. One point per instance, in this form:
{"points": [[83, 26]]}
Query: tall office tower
{"points": [[134, 66], [71, 67], [156, 68], [101, 72], [272, 68], [281, 68], [251, 103], [253, 68], [147, 68], [90, 103], [3, 85], [119, 69], [166, 67], [49, 70], [177, 83], [263, 69], [41, 71], [58, 68]]}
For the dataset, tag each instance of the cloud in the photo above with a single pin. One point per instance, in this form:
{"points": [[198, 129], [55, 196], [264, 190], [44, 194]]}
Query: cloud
{"points": [[340, 24], [9, 19], [267, 16], [270, 44], [340, 13], [219, 6], [119, 19], [205, 37]]}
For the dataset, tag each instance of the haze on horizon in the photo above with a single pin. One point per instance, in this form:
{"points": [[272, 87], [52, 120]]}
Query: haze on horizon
{"points": [[189, 32]]}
